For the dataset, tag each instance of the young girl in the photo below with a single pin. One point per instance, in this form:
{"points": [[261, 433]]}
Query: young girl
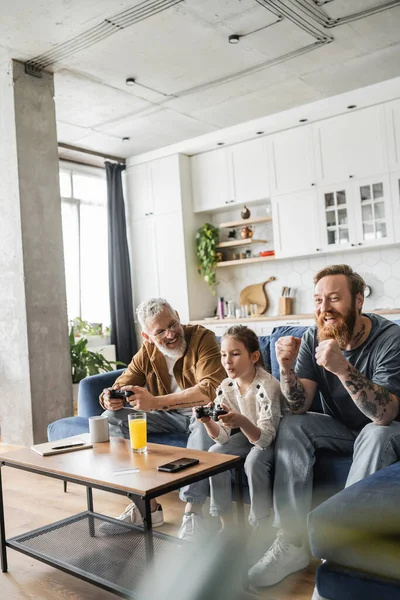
{"points": [[253, 400]]}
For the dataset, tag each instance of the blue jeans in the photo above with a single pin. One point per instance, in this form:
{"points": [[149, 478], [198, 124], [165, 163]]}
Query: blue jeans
{"points": [[299, 436]]}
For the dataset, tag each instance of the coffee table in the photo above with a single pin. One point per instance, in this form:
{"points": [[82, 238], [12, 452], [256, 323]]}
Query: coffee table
{"points": [[77, 544]]}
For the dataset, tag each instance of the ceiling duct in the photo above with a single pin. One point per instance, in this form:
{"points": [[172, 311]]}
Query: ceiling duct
{"points": [[114, 24], [321, 17]]}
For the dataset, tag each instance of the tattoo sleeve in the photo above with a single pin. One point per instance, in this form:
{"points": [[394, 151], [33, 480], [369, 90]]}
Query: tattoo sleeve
{"points": [[372, 399], [293, 390]]}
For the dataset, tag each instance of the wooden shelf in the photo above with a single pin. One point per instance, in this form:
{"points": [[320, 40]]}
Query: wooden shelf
{"points": [[243, 222], [244, 261], [245, 242]]}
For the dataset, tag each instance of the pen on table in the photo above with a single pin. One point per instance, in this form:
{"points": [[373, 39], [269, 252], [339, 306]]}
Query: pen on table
{"points": [[68, 446]]}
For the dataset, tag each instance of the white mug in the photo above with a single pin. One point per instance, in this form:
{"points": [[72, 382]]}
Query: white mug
{"points": [[98, 428]]}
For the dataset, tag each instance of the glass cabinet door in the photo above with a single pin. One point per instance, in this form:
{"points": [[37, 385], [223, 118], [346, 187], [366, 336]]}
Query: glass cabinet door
{"points": [[336, 222], [373, 199]]}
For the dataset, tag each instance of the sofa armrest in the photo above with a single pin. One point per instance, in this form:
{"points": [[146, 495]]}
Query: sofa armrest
{"points": [[90, 389]]}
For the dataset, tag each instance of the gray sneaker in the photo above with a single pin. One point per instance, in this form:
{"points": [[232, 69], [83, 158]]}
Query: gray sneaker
{"points": [[192, 525], [133, 516]]}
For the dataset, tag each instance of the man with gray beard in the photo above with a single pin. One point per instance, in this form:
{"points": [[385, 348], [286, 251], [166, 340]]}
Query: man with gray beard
{"points": [[353, 360], [177, 367]]}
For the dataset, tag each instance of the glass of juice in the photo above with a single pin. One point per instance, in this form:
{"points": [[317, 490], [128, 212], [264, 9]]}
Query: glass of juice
{"points": [[138, 431]]}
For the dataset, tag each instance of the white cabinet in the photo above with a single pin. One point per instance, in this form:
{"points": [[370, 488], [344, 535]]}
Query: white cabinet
{"points": [[238, 174], [143, 258], [210, 180], [357, 213], [351, 146], [248, 164], [395, 193], [392, 112], [170, 257], [153, 187], [296, 225], [292, 160]]}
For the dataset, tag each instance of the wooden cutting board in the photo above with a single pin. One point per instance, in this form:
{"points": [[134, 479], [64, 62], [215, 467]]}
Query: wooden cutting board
{"points": [[256, 294]]}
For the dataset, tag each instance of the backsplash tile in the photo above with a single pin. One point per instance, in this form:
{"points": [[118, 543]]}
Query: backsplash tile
{"points": [[379, 267]]}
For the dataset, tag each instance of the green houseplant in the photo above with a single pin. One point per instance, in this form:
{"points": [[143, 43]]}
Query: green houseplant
{"points": [[84, 362], [207, 238]]}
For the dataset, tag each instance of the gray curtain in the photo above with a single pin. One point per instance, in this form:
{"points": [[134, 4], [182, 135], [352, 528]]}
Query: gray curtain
{"points": [[122, 322]]}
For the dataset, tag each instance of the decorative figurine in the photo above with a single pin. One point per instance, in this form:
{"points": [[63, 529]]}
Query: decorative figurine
{"points": [[246, 233], [245, 214], [232, 234]]}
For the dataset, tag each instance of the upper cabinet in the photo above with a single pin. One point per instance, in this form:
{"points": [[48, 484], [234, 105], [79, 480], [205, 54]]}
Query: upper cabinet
{"points": [[357, 213], [210, 180], [351, 146], [292, 160], [238, 174], [154, 187], [248, 164], [392, 110], [295, 224]]}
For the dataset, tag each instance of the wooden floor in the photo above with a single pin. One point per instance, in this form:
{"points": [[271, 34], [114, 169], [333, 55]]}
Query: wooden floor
{"points": [[32, 501]]}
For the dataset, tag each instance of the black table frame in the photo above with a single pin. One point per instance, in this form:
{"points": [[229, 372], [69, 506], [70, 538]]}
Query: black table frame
{"points": [[142, 501]]}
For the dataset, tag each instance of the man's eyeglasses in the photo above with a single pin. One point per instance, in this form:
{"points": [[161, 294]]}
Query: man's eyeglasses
{"points": [[162, 334]]}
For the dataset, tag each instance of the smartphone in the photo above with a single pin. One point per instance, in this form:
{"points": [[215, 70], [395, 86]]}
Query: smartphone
{"points": [[178, 465]]}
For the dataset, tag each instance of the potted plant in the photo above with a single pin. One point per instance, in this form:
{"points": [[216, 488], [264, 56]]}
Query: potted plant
{"points": [[207, 238], [93, 331], [84, 362]]}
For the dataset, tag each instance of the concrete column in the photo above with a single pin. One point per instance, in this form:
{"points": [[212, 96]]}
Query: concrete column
{"points": [[35, 375]]}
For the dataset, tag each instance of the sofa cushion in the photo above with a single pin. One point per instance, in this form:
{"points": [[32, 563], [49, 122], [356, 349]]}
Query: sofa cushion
{"points": [[90, 389], [360, 526], [340, 583]]}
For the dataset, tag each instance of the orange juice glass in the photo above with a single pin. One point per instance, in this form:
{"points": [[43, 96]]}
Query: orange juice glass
{"points": [[138, 431]]}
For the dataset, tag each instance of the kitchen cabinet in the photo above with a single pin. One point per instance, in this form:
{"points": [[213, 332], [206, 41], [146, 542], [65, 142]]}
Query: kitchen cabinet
{"points": [[234, 175], [249, 180], [395, 193], [392, 112], [296, 224], [357, 213], [210, 180], [351, 146], [292, 160], [154, 187]]}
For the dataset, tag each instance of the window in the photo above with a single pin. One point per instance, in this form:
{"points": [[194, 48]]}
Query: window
{"points": [[84, 222]]}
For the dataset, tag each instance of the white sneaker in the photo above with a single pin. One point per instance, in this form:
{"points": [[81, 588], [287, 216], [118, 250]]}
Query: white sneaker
{"points": [[192, 525], [133, 516], [278, 562], [316, 596]]}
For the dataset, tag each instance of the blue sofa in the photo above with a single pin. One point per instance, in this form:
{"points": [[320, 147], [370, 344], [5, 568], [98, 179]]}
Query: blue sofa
{"points": [[330, 471]]}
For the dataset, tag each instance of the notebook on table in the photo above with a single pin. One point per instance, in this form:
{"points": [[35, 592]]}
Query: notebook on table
{"points": [[72, 444]]}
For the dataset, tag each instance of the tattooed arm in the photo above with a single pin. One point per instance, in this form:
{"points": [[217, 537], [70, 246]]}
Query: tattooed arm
{"points": [[299, 393], [375, 401]]}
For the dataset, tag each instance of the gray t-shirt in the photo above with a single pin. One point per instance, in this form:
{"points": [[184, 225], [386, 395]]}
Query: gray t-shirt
{"points": [[378, 359]]}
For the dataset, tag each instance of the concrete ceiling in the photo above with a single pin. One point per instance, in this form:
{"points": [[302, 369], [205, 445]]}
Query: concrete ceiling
{"points": [[189, 80]]}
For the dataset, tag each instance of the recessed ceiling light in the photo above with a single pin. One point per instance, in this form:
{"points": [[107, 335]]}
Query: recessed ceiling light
{"points": [[303, 120], [126, 139], [352, 106], [260, 132], [234, 39], [220, 143], [130, 81]]}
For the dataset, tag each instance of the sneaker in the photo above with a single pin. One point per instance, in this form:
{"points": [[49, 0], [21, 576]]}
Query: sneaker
{"points": [[192, 525], [262, 536], [316, 596], [278, 562], [133, 516]]}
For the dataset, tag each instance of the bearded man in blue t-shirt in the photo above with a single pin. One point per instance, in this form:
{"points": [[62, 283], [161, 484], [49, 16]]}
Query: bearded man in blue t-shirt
{"points": [[353, 360]]}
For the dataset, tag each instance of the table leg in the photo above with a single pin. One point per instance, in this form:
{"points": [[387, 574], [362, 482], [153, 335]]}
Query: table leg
{"points": [[89, 499], [239, 496], [144, 506], [3, 561]]}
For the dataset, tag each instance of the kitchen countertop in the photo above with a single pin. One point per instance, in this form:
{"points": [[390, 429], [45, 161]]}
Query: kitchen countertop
{"points": [[379, 311]]}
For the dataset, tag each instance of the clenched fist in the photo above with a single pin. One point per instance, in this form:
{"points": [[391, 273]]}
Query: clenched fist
{"points": [[329, 355], [287, 349]]}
